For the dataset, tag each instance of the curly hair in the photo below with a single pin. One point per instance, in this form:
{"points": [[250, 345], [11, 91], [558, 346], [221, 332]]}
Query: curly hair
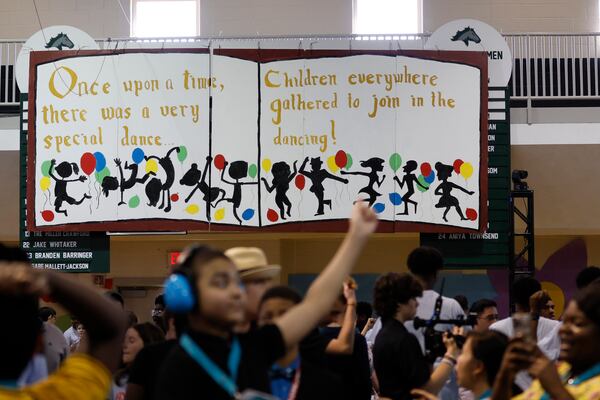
{"points": [[392, 289]]}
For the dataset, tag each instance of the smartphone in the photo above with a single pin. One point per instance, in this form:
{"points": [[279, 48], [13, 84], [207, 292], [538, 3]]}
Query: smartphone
{"points": [[250, 394], [522, 326]]}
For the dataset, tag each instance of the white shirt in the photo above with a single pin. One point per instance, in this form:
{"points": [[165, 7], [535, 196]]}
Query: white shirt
{"points": [[56, 348], [547, 338], [71, 336]]}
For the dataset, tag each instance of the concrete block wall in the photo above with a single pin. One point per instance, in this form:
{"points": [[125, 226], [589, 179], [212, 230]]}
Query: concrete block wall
{"points": [[99, 18], [516, 15], [104, 18]]}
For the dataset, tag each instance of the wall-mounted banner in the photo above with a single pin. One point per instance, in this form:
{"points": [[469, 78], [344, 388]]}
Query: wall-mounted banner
{"points": [[245, 140]]}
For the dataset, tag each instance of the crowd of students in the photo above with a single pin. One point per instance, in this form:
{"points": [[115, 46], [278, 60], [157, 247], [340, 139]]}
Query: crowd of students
{"points": [[224, 330]]}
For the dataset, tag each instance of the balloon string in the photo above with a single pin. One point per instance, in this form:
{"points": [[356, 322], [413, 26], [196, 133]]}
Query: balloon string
{"points": [[46, 196], [97, 194]]}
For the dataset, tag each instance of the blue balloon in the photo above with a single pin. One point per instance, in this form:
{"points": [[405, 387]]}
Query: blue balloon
{"points": [[137, 155], [395, 199], [378, 208], [429, 179], [100, 161], [248, 214]]}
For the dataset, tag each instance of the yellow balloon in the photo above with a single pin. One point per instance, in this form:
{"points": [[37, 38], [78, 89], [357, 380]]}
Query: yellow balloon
{"points": [[219, 214], [192, 209], [45, 183], [266, 164], [151, 166], [332, 165], [466, 170]]}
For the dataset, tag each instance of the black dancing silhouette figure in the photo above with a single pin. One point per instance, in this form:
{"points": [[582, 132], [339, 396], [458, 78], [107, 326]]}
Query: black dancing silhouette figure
{"points": [[409, 180], [282, 176], [156, 188], [197, 179], [445, 189], [237, 171], [65, 170], [376, 166], [124, 184], [317, 176]]}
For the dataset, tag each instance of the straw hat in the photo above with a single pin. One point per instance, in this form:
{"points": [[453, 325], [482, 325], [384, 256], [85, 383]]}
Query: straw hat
{"points": [[252, 263]]}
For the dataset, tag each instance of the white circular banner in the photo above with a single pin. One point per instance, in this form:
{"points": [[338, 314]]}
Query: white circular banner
{"points": [[473, 35], [59, 37]]}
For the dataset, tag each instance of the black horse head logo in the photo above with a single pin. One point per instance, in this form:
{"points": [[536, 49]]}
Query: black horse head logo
{"points": [[466, 35], [59, 41]]}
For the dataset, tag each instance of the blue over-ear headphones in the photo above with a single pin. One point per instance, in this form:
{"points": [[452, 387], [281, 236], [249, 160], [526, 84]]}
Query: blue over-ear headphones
{"points": [[180, 286]]}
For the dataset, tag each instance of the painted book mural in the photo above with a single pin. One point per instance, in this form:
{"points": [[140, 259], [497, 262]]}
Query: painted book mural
{"points": [[234, 141]]}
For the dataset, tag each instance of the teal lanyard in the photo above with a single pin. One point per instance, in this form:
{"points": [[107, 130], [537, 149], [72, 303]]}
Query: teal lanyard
{"points": [[486, 395], [227, 382], [590, 373]]}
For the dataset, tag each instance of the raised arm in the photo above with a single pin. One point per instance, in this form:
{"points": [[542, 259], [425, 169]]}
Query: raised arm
{"points": [[105, 321], [294, 172], [223, 174], [52, 164], [379, 183], [269, 189], [344, 343], [296, 323], [440, 375], [302, 170]]}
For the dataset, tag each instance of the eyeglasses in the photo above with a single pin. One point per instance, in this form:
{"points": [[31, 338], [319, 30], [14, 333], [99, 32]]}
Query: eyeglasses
{"points": [[491, 317]]}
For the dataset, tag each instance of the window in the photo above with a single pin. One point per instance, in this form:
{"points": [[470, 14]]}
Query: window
{"points": [[168, 18], [387, 16]]}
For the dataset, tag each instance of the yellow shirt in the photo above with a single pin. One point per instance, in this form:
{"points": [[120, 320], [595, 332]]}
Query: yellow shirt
{"points": [[588, 390], [81, 377]]}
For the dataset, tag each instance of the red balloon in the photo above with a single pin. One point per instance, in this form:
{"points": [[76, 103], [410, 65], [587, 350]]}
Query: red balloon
{"points": [[174, 197], [341, 159], [457, 164], [87, 163], [425, 169], [272, 215], [300, 181], [471, 214], [48, 215], [219, 162]]}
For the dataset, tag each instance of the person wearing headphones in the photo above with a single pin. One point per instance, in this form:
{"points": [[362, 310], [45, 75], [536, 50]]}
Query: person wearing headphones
{"points": [[213, 362]]}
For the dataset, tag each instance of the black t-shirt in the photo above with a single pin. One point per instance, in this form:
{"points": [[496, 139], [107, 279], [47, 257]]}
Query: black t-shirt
{"points": [[399, 362], [316, 381], [147, 364], [182, 378], [352, 369]]}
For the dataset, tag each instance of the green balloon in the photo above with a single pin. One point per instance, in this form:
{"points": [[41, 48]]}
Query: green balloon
{"points": [[134, 201], [182, 155], [395, 161], [252, 171], [348, 162], [102, 174], [46, 168], [422, 181]]}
